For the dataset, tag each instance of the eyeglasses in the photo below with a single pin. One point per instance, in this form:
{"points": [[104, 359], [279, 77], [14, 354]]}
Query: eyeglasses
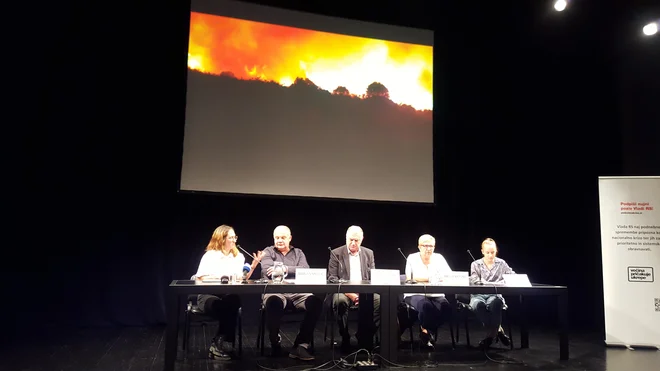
{"points": [[233, 238], [428, 246]]}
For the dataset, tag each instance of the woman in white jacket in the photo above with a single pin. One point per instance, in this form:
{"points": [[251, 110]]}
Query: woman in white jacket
{"points": [[427, 266], [222, 259]]}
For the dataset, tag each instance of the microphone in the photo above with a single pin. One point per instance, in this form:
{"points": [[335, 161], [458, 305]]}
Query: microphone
{"points": [[411, 280], [480, 282], [243, 250], [246, 269], [341, 267]]}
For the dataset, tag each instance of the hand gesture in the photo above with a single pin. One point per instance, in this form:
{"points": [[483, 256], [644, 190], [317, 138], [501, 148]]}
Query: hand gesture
{"points": [[269, 271], [256, 258]]}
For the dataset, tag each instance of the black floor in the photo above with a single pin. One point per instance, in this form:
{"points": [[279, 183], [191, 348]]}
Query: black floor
{"points": [[141, 348]]}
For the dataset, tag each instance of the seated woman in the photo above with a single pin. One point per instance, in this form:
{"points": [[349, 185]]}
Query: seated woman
{"points": [[434, 309], [488, 307], [222, 259]]}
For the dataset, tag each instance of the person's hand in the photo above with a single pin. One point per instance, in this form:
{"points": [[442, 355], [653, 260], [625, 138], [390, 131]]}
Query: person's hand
{"points": [[269, 271], [354, 298], [257, 258]]}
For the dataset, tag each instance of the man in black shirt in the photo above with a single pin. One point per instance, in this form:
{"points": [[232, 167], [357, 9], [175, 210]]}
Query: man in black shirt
{"points": [[292, 258]]}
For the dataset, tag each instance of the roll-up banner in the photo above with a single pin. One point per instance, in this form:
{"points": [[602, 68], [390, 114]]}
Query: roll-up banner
{"points": [[630, 242]]}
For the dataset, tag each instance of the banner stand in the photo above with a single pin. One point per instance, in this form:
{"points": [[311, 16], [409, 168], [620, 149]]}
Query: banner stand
{"points": [[630, 244]]}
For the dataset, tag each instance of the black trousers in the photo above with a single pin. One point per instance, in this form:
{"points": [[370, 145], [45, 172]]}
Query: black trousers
{"points": [[341, 303], [432, 312], [224, 308]]}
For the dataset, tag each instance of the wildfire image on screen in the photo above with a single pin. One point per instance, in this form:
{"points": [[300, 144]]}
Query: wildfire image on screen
{"points": [[279, 110], [340, 64]]}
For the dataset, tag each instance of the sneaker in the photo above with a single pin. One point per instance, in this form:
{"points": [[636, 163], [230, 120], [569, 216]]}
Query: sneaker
{"points": [[216, 352], [301, 353]]}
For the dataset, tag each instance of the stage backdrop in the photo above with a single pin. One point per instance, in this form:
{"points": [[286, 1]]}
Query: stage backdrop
{"points": [[630, 238]]}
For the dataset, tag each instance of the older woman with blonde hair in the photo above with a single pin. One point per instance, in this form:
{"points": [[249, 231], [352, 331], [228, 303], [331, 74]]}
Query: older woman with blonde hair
{"points": [[433, 309], [222, 259]]}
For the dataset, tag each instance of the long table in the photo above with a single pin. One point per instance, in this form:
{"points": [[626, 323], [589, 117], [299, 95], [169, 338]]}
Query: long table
{"points": [[178, 291]]}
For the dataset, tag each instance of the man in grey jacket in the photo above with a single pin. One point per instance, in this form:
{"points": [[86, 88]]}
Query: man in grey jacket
{"points": [[353, 262]]}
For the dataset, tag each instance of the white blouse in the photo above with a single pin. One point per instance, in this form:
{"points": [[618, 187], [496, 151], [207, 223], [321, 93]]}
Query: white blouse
{"points": [[436, 268], [216, 263]]}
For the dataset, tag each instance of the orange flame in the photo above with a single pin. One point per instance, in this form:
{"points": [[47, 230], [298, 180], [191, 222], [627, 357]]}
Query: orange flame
{"points": [[254, 50]]}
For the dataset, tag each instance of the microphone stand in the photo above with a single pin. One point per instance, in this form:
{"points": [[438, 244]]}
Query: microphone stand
{"points": [[245, 273], [341, 267], [480, 282], [243, 250], [411, 281]]}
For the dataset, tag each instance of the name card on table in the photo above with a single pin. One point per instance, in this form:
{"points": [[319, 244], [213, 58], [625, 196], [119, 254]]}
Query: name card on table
{"points": [[516, 280], [456, 278], [385, 277], [310, 276]]}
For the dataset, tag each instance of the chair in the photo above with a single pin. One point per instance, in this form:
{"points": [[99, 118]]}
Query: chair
{"points": [[331, 319], [463, 306], [192, 312], [262, 326], [413, 314]]}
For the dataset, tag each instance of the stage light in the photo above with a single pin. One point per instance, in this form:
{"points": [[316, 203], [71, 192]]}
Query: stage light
{"points": [[560, 5], [650, 29]]}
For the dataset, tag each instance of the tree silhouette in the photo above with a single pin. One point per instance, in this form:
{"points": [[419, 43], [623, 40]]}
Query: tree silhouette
{"points": [[341, 90], [227, 74], [376, 89], [299, 81]]}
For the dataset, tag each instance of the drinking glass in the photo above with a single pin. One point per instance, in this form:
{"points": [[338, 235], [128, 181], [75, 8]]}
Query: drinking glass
{"points": [[278, 272]]}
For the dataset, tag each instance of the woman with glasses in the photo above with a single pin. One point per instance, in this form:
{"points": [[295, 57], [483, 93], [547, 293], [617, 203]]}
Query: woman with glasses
{"points": [[433, 309], [222, 259]]}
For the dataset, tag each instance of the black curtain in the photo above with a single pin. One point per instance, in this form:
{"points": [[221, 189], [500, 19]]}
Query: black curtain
{"points": [[527, 115]]}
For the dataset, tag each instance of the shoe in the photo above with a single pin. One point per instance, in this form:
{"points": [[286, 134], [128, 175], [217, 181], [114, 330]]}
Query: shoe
{"points": [[301, 353], [216, 352], [505, 340]]}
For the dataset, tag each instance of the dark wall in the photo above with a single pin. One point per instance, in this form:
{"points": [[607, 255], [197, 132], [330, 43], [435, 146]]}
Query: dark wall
{"points": [[528, 115], [639, 84]]}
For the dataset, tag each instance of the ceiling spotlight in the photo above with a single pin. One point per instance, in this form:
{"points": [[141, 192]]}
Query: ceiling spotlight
{"points": [[650, 29], [560, 5]]}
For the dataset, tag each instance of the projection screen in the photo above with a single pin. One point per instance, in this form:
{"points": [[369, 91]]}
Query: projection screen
{"points": [[294, 104]]}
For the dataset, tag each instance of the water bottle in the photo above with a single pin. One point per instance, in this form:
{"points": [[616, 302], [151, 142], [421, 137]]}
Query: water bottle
{"points": [[278, 272]]}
